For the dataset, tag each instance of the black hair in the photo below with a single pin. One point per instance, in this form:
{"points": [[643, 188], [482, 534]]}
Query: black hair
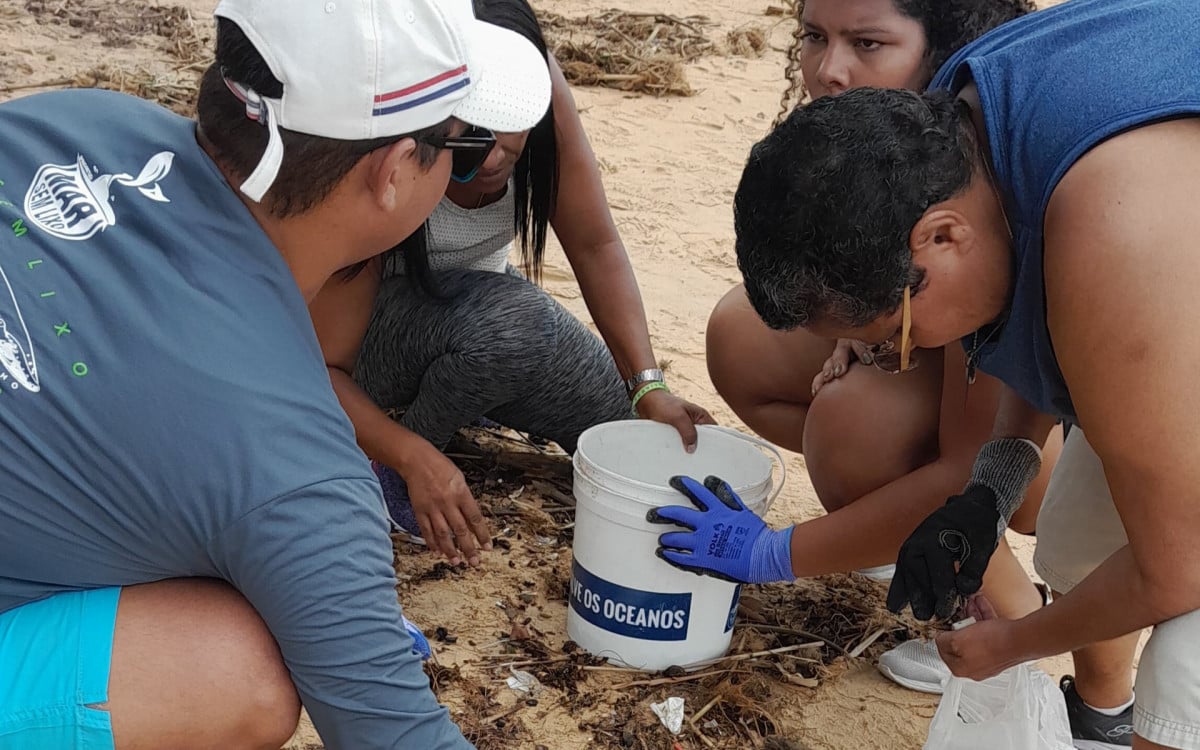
{"points": [[828, 199], [535, 177], [948, 26], [312, 165], [413, 252]]}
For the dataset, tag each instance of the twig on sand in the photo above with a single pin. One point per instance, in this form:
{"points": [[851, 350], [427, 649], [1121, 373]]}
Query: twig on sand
{"points": [[671, 680], [696, 675], [793, 631], [707, 742], [866, 643], [607, 668], [700, 715], [754, 655], [505, 713], [528, 663], [38, 85]]}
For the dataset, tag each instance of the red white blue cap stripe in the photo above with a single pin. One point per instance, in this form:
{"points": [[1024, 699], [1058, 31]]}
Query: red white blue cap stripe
{"points": [[422, 93]]}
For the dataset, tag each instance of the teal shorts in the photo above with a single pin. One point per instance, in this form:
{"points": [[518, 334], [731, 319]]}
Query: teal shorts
{"points": [[54, 663]]}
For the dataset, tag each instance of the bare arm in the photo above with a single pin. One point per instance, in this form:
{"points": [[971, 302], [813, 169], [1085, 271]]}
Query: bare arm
{"points": [[1120, 277], [589, 237], [449, 517], [879, 523], [1016, 418], [1121, 280], [341, 313]]}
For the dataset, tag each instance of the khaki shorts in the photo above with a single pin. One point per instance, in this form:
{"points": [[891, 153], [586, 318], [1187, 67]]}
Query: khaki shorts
{"points": [[1077, 530]]}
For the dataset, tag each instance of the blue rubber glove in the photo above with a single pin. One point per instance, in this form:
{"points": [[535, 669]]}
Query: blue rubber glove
{"points": [[420, 643], [726, 540]]}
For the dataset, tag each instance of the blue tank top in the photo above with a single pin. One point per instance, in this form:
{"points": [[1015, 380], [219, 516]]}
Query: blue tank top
{"points": [[1053, 85]]}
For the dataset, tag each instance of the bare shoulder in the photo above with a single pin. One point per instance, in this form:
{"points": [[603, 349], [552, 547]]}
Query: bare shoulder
{"points": [[1127, 175], [1122, 271], [1127, 207]]}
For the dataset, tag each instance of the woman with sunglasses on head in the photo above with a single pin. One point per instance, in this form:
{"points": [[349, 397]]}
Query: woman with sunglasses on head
{"points": [[456, 334], [882, 449]]}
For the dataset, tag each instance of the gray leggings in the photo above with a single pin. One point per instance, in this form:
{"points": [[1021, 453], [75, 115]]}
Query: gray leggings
{"points": [[499, 347]]}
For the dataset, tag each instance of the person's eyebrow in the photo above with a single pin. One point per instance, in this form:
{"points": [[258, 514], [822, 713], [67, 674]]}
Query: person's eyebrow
{"points": [[810, 25], [869, 30]]}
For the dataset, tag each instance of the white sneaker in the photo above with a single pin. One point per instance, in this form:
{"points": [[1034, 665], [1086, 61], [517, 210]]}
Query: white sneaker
{"points": [[882, 573], [916, 665]]}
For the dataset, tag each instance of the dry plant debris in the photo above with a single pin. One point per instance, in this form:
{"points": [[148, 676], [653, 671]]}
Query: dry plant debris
{"points": [[789, 638], [747, 41], [120, 24], [171, 29], [642, 52], [630, 51], [172, 90]]}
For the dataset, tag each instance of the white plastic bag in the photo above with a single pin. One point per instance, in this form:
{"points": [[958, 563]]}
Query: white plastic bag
{"points": [[1019, 709]]}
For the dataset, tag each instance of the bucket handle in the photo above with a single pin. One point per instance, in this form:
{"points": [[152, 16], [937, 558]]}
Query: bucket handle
{"points": [[766, 446]]}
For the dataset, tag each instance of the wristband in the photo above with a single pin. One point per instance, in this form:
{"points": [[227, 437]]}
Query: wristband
{"points": [[1007, 467], [645, 376], [656, 385]]}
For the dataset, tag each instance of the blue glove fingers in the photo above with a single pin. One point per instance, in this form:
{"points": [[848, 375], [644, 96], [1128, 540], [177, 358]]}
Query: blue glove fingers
{"points": [[682, 560], [723, 492], [678, 540], [694, 491], [677, 514], [690, 563]]}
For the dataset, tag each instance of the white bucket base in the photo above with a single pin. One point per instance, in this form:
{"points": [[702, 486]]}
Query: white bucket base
{"points": [[626, 604]]}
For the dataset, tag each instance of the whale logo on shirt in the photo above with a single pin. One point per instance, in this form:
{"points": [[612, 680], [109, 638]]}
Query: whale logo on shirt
{"points": [[16, 347], [71, 201]]}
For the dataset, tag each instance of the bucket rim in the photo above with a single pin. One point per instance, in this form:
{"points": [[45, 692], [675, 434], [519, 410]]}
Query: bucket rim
{"points": [[754, 441]]}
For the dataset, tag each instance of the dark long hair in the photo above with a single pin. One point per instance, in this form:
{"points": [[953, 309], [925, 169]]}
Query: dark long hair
{"points": [[535, 177]]}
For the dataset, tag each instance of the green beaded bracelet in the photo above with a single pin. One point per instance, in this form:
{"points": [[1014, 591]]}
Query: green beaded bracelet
{"points": [[656, 385]]}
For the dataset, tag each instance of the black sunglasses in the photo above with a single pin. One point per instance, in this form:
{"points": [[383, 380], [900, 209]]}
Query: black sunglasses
{"points": [[470, 150]]}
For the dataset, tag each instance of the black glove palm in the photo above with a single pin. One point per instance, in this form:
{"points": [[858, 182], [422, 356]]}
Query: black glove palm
{"points": [[963, 532]]}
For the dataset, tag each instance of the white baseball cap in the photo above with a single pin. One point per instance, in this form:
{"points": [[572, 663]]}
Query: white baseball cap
{"points": [[363, 69]]}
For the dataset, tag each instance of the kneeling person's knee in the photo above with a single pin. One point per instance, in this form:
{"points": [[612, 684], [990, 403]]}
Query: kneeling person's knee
{"points": [[194, 665]]}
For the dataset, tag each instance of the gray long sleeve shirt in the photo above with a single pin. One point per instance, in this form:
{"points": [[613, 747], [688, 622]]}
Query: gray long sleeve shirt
{"points": [[165, 411]]}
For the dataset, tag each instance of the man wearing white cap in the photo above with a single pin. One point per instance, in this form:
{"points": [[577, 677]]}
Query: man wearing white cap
{"points": [[191, 544]]}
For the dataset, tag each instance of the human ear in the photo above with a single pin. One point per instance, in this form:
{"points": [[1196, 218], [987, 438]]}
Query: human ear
{"points": [[392, 174], [941, 231]]}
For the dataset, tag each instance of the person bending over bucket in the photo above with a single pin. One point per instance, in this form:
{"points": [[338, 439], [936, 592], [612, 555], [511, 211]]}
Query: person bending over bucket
{"points": [[1038, 203]]}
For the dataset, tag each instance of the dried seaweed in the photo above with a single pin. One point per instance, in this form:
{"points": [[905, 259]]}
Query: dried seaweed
{"points": [[642, 52]]}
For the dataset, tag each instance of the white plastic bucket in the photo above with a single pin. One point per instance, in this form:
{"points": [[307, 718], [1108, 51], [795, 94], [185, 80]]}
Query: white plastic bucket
{"points": [[625, 603]]}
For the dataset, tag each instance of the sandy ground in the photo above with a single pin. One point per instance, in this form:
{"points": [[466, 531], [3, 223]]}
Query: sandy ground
{"points": [[671, 166]]}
